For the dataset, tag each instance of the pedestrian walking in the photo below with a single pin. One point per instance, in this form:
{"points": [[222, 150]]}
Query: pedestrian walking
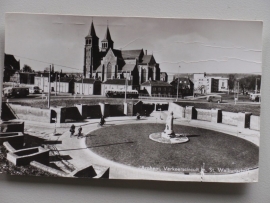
{"points": [[72, 130], [79, 132]]}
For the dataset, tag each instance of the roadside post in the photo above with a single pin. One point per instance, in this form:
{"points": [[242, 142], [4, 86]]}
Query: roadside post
{"points": [[54, 119]]}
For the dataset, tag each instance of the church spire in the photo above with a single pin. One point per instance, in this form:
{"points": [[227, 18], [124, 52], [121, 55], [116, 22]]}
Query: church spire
{"points": [[92, 32], [107, 42]]}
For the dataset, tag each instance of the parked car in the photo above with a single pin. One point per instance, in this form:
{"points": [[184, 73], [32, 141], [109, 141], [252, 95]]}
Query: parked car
{"points": [[214, 98], [34, 90]]}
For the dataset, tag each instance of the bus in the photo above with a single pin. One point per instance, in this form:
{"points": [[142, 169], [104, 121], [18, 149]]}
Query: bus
{"points": [[111, 93], [15, 92]]}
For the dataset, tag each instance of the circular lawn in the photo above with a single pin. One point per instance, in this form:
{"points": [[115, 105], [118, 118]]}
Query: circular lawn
{"points": [[130, 145]]}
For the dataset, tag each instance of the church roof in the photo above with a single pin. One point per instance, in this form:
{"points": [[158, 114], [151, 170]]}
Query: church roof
{"points": [[128, 67], [117, 82], [146, 58], [128, 54], [155, 83], [92, 32], [99, 69], [107, 36]]}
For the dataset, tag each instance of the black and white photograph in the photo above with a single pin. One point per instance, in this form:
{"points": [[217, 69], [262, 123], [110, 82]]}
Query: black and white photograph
{"points": [[135, 98]]}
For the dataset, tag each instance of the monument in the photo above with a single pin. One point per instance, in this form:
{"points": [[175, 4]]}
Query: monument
{"points": [[169, 136]]}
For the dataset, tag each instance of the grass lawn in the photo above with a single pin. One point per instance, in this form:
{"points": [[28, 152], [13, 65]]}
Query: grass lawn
{"points": [[254, 109], [69, 102], [130, 145]]}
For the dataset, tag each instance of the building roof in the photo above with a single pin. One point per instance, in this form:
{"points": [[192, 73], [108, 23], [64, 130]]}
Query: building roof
{"points": [[188, 81], [146, 58], [128, 67], [129, 54], [107, 36], [88, 80], [156, 83], [117, 82], [99, 69]]}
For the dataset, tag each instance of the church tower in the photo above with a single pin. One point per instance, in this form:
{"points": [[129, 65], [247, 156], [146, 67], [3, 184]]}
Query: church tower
{"points": [[91, 53], [107, 42]]}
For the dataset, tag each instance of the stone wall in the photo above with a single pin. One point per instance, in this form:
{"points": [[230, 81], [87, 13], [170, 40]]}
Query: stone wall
{"points": [[204, 114], [255, 122], [178, 111], [229, 118], [31, 113], [241, 119]]}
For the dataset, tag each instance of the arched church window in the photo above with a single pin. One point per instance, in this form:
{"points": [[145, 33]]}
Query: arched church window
{"points": [[109, 70]]}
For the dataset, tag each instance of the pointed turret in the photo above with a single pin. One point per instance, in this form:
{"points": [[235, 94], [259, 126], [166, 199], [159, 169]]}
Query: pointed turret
{"points": [[107, 42], [91, 52], [92, 32]]}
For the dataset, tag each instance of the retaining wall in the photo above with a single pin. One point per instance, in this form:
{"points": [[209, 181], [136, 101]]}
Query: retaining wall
{"points": [[229, 118], [16, 140], [255, 122], [31, 113], [204, 114], [241, 119], [177, 110]]}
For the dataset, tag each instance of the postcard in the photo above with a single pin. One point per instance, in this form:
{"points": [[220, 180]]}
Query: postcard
{"points": [[131, 98]]}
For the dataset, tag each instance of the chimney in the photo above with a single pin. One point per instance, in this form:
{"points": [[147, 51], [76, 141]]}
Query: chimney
{"points": [[145, 52]]}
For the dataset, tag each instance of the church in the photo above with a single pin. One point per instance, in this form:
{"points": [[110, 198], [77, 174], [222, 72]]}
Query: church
{"points": [[108, 64]]}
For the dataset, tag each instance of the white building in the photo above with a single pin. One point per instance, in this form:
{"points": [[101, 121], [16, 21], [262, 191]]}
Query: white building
{"points": [[207, 84], [115, 84], [88, 86]]}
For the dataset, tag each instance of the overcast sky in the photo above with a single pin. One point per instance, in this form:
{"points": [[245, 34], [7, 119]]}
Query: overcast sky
{"points": [[212, 46]]}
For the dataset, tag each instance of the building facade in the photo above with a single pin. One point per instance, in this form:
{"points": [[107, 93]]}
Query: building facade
{"points": [[204, 84], [108, 63], [157, 88], [116, 84], [185, 86], [88, 86]]}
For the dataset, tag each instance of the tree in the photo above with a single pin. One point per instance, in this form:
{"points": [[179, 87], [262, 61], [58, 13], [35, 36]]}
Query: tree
{"points": [[27, 69], [231, 81], [249, 83]]}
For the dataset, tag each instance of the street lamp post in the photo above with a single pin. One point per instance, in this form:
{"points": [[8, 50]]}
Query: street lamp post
{"points": [[49, 92], [256, 86], [55, 84], [178, 84]]}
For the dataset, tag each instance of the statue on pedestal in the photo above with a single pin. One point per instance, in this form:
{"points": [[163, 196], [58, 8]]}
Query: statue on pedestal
{"points": [[168, 132]]}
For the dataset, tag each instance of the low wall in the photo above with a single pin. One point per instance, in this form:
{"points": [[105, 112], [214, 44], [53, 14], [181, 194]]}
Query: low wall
{"points": [[204, 114], [16, 140], [178, 111], [31, 113], [48, 169], [255, 122], [137, 108], [12, 126], [241, 119], [25, 156], [117, 110], [229, 118], [89, 111]]}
